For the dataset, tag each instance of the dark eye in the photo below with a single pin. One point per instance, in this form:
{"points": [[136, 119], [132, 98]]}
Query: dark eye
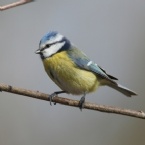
{"points": [[47, 45]]}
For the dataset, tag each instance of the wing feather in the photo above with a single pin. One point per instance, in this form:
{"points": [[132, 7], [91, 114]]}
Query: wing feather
{"points": [[81, 60]]}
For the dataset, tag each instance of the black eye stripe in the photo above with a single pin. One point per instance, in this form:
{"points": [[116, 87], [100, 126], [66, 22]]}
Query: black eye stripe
{"points": [[48, 45], [43, 48]]}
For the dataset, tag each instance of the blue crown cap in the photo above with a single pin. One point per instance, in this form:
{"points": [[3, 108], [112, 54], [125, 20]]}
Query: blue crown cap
{"points": [[52, 34], [48, 36]]}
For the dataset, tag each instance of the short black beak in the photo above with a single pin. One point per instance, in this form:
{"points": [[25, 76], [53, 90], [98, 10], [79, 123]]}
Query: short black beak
{"points": [[38, 51]]}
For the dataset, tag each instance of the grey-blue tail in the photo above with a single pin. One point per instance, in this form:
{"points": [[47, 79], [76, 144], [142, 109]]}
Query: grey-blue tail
{"points": [[122, 89]]}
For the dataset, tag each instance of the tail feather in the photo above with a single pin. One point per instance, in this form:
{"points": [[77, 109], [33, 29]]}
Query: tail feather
{"points": [[122, 89]]}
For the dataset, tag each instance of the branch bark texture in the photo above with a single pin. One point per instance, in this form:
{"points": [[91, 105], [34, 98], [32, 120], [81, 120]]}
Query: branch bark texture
{"points": [[73, 103], [8, 6]]}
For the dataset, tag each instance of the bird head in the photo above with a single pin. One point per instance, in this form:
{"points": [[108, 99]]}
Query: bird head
{"points": [[52, 43]]}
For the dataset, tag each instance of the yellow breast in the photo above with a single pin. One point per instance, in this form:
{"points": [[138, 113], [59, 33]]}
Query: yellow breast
{"points": [[68, 76]]}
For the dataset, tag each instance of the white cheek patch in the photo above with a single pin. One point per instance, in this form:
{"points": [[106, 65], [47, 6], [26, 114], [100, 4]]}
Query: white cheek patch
{"points": [[52, 49]]}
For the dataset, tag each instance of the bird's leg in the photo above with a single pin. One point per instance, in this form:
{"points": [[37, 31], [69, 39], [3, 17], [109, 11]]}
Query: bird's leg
{"points": [[82, 102], [54, 95]]}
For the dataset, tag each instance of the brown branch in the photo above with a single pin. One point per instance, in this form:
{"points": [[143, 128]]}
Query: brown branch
{"points": [[8, 6], [70, 102]]}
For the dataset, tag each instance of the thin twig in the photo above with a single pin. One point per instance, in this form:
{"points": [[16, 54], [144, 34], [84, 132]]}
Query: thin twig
{"points": [[8, 6], [70, 102]]}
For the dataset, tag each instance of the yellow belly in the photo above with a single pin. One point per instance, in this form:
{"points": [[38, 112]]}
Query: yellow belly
{"points": [[68, 76]]}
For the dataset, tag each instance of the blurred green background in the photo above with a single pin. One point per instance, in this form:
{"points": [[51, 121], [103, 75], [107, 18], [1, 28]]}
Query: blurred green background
{"points": [[110, 32]]}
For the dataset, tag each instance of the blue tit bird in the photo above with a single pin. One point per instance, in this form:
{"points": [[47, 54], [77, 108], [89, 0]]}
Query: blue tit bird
{"points": [[72, 70]]}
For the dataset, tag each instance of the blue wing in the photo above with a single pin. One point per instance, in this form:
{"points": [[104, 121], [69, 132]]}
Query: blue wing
{"points": [[84, 62]]}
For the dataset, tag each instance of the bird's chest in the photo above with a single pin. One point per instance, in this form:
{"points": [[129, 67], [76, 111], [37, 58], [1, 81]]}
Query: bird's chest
{"points": [[59, 66], [68, 76]]}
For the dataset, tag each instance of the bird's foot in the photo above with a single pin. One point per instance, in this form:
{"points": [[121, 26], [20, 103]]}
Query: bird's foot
{"points": [[51, 98], [82, 102], [54, 95]]}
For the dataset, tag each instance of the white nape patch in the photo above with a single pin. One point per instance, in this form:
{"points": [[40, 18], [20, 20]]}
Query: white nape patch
{"points": [[52, 49], [89, 63]]}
